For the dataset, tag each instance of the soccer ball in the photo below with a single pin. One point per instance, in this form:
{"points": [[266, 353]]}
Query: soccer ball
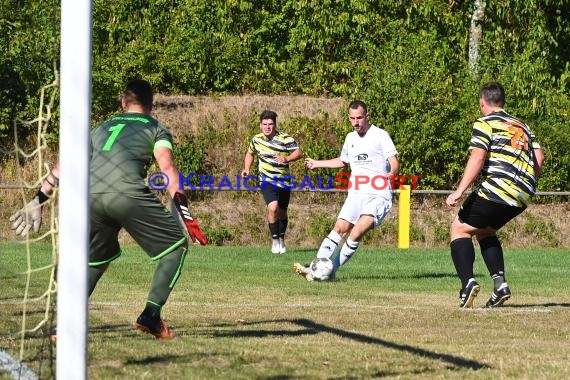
{"points": [[322, 269]]}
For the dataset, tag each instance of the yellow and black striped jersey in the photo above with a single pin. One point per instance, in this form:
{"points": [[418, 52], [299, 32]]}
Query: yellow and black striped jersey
{"points": [[508, 174], [267, 150]]}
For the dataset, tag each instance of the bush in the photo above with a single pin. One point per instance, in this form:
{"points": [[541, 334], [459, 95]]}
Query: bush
{"points": [[408, 60], [190, 156], [218, 236]]}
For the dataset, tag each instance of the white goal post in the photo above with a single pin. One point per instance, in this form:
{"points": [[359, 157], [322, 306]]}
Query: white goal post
{"points": [[75, 116]]}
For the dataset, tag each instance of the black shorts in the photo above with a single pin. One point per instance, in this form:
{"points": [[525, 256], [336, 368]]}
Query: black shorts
{"points": [[480, 213], [272, 193]]}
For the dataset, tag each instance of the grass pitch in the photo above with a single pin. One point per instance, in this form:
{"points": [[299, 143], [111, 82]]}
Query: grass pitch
{"points": [[241, 313]]}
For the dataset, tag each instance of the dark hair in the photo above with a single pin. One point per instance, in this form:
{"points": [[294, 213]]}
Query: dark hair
{"points": [[268, 115], [493, 93], [358, 103], [138, 91]]}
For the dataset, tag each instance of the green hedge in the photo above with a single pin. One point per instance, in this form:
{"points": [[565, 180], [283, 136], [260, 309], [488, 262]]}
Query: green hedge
{"points": [[408, 60]]}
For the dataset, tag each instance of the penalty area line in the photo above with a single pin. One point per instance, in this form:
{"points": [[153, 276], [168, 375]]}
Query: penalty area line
{"points": [[14, 368]]}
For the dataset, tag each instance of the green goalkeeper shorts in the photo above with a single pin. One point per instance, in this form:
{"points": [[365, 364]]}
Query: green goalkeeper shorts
{"points": [[142, 215]]}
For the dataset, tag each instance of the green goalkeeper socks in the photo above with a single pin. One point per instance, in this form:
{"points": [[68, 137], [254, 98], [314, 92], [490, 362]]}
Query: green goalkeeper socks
{"points": [[94, 275], [165, 276]]}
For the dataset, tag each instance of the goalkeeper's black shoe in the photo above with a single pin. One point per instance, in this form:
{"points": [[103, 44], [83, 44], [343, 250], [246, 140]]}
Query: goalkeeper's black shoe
{"points": [[154, 326], [468, 294], [499, 296]]}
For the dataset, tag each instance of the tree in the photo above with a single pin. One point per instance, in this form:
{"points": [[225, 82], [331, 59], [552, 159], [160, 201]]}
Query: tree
{"points": [[475, 37]]}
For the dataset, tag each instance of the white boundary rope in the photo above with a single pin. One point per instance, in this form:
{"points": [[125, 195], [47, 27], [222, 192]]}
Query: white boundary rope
{"points": [[15, 368]]}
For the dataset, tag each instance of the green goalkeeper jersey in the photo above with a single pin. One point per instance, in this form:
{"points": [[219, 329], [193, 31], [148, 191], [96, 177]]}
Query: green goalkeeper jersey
{"points": [[121, 151]]}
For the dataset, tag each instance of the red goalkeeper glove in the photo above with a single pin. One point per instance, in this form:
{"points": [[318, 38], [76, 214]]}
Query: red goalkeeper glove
{"points": [[181, 203]]}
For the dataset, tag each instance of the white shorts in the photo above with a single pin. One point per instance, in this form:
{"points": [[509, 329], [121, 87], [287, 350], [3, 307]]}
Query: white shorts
{"points": [[357, 204]]}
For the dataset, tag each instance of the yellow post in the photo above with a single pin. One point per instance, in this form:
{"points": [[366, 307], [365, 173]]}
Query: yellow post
{"points": [[404, 217]]}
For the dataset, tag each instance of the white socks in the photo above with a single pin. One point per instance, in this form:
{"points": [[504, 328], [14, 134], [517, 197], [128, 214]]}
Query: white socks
{"points": [[329, 244], [346, 252]]}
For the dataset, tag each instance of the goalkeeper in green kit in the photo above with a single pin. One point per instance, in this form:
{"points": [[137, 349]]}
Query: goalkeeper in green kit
{"points": [[121, 150]]}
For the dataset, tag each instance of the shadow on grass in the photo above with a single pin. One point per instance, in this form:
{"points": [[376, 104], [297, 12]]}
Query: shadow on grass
{"points": [[311, 328], [404, 276], [107, 328], [153, 360], [29, 313], [532, 305]]}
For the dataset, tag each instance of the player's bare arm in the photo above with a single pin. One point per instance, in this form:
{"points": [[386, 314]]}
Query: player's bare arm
{"points": [[472, 170], [51, 181], [248, 161], [333, 163], [538, 161], [394, 165], [294, 156], [165, 161]]}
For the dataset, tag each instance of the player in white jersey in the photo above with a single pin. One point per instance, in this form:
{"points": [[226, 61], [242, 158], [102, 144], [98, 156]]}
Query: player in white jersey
{"points": [[373, 160]]}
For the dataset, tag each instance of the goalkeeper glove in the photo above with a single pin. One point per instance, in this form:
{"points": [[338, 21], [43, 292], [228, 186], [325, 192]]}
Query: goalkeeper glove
{"points": [[181, 204], [30, 216]]}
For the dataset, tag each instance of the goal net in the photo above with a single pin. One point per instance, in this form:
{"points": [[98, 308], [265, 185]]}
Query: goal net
{"points": [[68, 233], [29, 266]]}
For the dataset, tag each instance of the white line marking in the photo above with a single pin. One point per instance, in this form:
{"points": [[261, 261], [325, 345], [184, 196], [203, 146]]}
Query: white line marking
{"points": [[16, 369]]}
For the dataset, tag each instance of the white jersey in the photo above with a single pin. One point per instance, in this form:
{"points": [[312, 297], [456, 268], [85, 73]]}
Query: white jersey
{"points": [[368, 159]]}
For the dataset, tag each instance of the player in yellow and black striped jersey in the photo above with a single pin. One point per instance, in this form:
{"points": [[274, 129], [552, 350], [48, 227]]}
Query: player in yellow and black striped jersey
{"points": [[508, 173], [275, 150], [507, 158]]}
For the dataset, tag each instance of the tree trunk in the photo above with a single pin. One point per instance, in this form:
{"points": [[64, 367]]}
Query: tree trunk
{"points": [[475, 37]]}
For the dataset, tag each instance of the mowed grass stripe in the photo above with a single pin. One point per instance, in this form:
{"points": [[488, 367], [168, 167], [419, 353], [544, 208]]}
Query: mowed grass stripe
{"points": [[241, 313]]}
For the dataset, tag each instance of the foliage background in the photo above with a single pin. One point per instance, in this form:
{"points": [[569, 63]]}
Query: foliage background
{"points": [[407, 60]]}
